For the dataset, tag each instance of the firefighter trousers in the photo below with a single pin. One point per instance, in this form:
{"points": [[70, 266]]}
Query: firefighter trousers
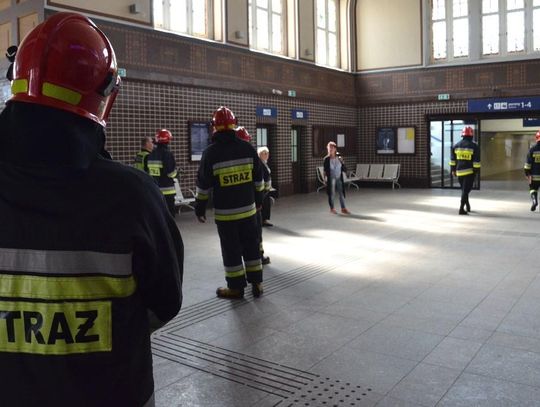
{"points": [[240, 251], [466, 183]]}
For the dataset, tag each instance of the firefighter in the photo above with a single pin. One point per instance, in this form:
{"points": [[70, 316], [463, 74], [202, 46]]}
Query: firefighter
{"points": [[232, 170], [465, 163], [147, 146], [162, 166], [243, 134], [89, 268], [532, 171]]}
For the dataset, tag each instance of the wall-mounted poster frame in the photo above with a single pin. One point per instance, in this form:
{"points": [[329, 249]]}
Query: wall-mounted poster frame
{"points": [[406, 140], [199, 138], [386, 140], [396, 140]]}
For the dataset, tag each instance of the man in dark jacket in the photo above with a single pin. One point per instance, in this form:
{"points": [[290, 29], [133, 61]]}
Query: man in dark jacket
{"points": [[231, 168], [162, 167], [465, 163], [90, 260], [532, 171]]}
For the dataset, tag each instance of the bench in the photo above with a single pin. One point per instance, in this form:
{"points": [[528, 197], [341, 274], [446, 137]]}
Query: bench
{"points": [[377, 173], [180, 200], [347, 179]]}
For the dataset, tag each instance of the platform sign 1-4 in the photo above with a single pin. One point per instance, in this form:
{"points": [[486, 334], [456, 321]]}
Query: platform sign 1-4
{"points": [[522, 104], [263, 111]]}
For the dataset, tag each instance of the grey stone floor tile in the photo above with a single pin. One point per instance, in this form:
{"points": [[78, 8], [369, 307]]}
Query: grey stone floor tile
{"points": [[470, 333], [394, 402], [299, 351], [396, 341], [453, 353], [168, 372], [206, 390], [430, 324], [378, 371], [515, 341], [509, 364], [425, 385], [520, 324], [480, 391], [459, 295]]}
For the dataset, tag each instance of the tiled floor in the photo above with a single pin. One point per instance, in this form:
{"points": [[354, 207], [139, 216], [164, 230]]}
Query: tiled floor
{"points": [[402, 303]]}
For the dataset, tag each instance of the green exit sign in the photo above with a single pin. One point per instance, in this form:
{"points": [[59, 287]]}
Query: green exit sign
{"points": [[443, 96], [291, 93], [122, 72]]}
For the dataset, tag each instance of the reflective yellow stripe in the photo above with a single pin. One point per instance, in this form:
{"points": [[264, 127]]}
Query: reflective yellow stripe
{"points": [[236, 216], [172, 174], [61, 93], [65, 288], [251, 269], [476, 165], [461, 173], [234, 168], [452, 163], [224, 127], [527, 166], [233, 274], [55, 328], [19, 86], [201, 197]]}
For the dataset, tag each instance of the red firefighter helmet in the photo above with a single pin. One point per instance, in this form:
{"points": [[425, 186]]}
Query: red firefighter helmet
{"points": [[537, 135], [242, 133], [163, 136], [223, 119], [467, 132], [67, 63]]}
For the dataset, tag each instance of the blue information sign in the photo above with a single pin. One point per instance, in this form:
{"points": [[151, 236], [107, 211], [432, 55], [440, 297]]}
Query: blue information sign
{"points": [[531, 122], [521, 104], [299, 114], [263, 111]]}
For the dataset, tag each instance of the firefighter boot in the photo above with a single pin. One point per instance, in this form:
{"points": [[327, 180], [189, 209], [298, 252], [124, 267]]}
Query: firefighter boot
{"points": [[468, 205], [265, 260], [256, 289], [534, 200], [462, 210], [232, 293]]}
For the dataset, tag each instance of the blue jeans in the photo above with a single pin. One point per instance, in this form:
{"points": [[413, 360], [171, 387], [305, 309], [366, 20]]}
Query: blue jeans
{"points": [[336, 185]]}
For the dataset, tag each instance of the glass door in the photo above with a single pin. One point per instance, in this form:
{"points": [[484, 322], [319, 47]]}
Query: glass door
{"points": [[443, 135]]}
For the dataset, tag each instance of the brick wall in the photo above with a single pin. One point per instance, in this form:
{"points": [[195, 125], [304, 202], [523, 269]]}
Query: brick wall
{"points": [[414, 168], [143, 107]]}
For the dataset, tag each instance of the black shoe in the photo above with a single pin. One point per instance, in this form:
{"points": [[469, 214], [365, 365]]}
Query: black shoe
{"points": [[533, 207], [256, 289], [265, 260], [468, 207], [267, 224], [463, 212]]}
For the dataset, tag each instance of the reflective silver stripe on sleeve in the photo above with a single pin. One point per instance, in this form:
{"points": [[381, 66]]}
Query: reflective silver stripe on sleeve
{"points": [[232, 163], [65, 262]]}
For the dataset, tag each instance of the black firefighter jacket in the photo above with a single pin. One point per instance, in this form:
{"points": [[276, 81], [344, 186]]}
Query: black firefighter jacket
{"points": [[88, 257], [231, 168], [465, 157], [532, 162]]}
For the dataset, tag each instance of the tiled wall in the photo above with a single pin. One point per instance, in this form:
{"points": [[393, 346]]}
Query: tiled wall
{"points": [[414, 168], [143, 107]]}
